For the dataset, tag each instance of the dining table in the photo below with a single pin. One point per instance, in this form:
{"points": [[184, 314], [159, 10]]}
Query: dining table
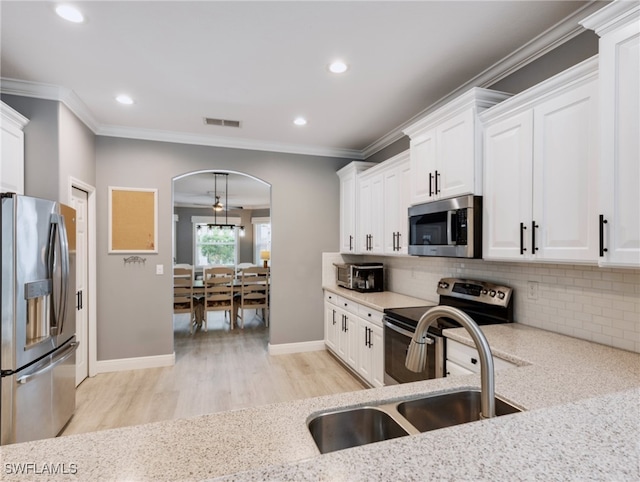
{"points": [[200, 311]]}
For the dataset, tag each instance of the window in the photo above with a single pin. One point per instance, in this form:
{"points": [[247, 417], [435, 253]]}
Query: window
{"points": [[213, 245], [261, 237]]}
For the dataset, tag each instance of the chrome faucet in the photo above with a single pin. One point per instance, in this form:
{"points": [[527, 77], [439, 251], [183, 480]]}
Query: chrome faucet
{"points": [[417, 353]]}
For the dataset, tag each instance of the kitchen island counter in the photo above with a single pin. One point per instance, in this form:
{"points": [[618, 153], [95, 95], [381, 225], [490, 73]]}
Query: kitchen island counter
{"points": [[581, 421]]}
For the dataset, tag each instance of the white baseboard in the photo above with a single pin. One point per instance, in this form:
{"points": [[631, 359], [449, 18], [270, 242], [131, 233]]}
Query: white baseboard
{"points": [[122, 364], [288, 348]]}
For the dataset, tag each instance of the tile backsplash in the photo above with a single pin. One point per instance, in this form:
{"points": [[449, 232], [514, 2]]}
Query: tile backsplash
{"points": [[597, 304]]}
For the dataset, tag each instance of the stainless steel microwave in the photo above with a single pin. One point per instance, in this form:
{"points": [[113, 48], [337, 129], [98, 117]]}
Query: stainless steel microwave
{"points": [[450, 228]]}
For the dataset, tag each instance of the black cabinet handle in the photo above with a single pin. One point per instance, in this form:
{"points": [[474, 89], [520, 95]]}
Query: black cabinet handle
{"points": [[333, 317], [474, 361], [603, 221], [350, 242], [398, 240], [437, 176], [346, 325], [522, 228], [534, 248], [430, 184]]}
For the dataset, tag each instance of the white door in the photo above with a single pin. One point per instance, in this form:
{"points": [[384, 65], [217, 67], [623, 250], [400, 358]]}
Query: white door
{"points": [[79, 201], [565, 176], [423, 167], [620, 168], [508, 194], [455, 143]]}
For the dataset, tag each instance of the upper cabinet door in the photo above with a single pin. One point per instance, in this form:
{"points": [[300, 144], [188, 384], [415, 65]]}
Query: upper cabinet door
{"points": [[446, 158], [507, 203], [456, 170], [423, 165], [565, 176], [540, 184], [620, 150], [618, 25], [348, 212]]}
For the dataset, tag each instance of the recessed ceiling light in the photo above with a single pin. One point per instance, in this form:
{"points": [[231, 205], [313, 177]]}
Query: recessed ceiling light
{"points": [[338, 67], [300, 121], [124, 99], [70, 13]]}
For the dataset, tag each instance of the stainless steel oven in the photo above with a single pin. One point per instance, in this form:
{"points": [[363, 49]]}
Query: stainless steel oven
{"points": [[397, 335], [486, 303]]}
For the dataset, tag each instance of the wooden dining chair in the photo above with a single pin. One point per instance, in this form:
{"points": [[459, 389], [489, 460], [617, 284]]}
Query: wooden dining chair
{"points": [[183, 291], [254, 292], [218, 291]]}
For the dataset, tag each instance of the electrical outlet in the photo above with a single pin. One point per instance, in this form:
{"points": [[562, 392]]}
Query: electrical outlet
{"points": [[159, 269], [532, 290]]}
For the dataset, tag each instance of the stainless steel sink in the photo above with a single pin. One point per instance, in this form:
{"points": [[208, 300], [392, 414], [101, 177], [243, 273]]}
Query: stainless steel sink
{"points": [[350, 428], [337, 430], [447, 409]]}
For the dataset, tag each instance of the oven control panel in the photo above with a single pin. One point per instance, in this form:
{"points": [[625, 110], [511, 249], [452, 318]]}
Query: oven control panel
{"points": [[480, 291]]}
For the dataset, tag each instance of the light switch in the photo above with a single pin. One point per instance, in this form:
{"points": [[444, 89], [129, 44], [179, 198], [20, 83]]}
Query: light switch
{"points": [[159, 269]]}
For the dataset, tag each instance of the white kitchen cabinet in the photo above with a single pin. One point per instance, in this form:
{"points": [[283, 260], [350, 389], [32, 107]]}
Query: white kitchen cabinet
{"points": [[540, 161], [397, 185], [349, 204], [618, 25], [383, 206], [464, 360], [12, 155], [370, 346], [331, 323], [353, 332], [370, 217], [446, 155]]}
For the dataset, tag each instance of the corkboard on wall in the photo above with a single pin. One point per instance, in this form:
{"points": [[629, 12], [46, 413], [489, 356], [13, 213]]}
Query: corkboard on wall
{"points": [[133, 220]]}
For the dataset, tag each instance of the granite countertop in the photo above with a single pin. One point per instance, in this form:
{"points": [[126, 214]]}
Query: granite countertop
{"points": [[379, 300], [581, 422]]}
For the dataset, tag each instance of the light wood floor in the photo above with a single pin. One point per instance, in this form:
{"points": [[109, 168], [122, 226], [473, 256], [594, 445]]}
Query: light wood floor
{"points": [[214, 371]]}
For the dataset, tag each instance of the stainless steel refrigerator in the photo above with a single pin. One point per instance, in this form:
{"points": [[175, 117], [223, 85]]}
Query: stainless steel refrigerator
{"points": [[37, 339]]}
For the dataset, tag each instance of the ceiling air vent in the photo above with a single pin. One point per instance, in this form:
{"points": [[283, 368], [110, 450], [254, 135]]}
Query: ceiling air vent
{"points": [[221, 122]]}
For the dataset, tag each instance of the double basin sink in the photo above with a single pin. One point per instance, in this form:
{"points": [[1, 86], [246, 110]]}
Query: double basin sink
{"points": [[341, 429]]}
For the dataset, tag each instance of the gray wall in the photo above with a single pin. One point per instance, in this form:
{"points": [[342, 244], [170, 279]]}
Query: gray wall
{"points": [[135, 314], [568, 54], [57, 146], [184, 232], [77, 145], [41, 141]]}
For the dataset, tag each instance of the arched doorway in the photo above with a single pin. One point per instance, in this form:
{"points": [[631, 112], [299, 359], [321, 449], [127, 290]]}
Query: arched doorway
{"points": [[237, 235]]}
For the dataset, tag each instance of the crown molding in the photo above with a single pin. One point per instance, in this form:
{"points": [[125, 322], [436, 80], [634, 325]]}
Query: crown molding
{"points": [[228, 142], [72, 101], [548, 40], [612, 16], [39, 90]]}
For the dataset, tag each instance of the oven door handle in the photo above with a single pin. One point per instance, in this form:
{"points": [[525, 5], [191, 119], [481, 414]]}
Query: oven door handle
{"points": [[397, 329], [404, 332]]}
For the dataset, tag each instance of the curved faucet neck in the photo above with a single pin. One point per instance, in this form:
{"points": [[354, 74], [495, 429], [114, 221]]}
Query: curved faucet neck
{"points": [[416, 355]]}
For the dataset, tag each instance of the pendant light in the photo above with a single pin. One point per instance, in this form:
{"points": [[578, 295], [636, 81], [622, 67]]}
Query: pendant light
{"points": [[219, 206]]}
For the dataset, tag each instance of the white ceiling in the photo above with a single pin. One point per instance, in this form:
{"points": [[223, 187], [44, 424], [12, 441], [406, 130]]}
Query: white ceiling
{"points": [[263, 63]]}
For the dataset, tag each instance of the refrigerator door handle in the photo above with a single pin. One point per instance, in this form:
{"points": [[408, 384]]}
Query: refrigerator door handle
{"points": [[58, 233], [73, 346]]}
